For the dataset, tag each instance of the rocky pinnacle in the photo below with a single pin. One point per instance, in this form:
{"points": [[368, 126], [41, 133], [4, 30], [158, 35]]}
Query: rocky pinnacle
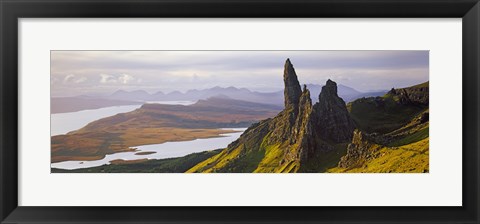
{"points": [[298, 135], [292, 90], [332, 118]]}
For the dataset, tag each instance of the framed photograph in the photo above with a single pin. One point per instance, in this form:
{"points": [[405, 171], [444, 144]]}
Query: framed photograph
{"points": [[239, 112]]}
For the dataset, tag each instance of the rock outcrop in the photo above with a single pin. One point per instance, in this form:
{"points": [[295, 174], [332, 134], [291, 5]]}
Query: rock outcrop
{"points": [[328, 123], [332, 119], [412, 95], [357, 151], [292, 138]]}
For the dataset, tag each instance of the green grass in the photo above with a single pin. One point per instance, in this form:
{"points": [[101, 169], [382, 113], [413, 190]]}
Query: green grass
{"points": [[173, 165], [414, 137], [382, 115], [271, 160], [325, 160], [245, 158], [264, 158], [246, 163], [207, 164], [411, 158]]}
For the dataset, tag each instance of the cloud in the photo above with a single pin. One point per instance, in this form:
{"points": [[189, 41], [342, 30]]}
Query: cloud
{"points": [[108, 71], [68, 78], [80, 80], [106, 78], [125, 78], [112, 79]]}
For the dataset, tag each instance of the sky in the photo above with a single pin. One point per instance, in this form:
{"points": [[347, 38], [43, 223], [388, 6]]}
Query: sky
{"points": [[104, 72]]}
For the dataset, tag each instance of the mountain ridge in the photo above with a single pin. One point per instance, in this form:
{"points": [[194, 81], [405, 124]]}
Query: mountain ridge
{"points": [[122, 97], [275, 97]]}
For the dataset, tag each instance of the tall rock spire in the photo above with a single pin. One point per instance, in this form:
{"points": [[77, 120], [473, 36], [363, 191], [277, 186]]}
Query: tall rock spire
{"points": [[332, 117], [292, 90]]}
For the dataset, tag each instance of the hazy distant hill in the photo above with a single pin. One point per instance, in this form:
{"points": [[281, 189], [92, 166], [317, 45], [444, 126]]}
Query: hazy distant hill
{"points": [[137, 95], [72, 104], [348, 94], [194, 95], [276, 98]]}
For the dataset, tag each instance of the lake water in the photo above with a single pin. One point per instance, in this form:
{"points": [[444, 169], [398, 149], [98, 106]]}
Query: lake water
{"points": [[66, 122], [162, 151]]}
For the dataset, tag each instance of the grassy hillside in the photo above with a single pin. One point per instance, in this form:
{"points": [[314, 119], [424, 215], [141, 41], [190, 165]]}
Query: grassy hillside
{"points": [[381, 114], [240, 158], [409, 158], [325, 160], [391, 111], [267, 159], [411, 138], [404, 150]]}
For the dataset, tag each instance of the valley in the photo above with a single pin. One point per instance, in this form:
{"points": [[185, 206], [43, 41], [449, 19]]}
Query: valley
{"points": [[155, 124]]}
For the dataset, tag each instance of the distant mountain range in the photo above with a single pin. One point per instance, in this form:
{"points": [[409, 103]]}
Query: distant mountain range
{"points": [[194, 95], [347, 93], [122, 97]]}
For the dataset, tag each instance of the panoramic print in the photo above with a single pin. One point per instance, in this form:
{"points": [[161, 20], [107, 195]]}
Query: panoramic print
{"points": [[239, 111]]}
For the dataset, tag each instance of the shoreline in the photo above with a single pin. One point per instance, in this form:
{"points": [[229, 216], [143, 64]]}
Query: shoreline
{"points": [[202, 134]]}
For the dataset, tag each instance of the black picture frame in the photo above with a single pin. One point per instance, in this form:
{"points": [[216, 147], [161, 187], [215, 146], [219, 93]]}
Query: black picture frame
{"points": [[12, 10]]}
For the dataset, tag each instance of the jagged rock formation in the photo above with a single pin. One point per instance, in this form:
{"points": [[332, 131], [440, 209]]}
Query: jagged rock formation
{"points": [[328, 123], [331, 115], [292, 90], [412, 95], [357, 152], [289, 140]]}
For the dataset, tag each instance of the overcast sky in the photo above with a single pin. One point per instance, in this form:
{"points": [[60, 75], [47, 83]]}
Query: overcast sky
{"points": [[103, 72]]}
